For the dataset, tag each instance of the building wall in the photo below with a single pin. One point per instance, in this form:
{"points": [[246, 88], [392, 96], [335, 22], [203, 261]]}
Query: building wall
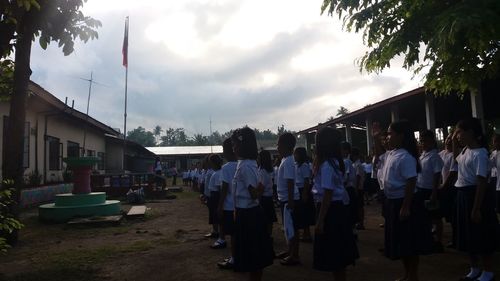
{"points": [[43, 120]]}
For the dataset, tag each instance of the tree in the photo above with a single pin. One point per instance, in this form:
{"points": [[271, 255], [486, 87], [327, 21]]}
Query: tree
{"points": [[460, 38], [21, 21], [141, 136], [342, 111], [199, 139], [157, 132]]}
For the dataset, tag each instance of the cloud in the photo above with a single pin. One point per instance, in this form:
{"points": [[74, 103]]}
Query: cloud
{"points": [[249, 62]]}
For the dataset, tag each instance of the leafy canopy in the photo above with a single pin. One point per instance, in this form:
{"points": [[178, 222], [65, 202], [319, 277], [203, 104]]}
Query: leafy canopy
{"points": [[49, 20], [457, 41]]}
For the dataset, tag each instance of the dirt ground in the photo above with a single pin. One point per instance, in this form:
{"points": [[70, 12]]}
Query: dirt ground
{"points": [[168, 244]]}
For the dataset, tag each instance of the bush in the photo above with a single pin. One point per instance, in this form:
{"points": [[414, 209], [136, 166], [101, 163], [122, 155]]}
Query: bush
{"points": [[8, 223]]}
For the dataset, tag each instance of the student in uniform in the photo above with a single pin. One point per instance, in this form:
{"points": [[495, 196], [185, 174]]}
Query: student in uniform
{"points": [[407, 234], [288, 194], [447, 189], [476, 218], [381, 149], [495, 163], [359, 178], [303, 184], [253, 250], [226, 202], [266, 178], [334, 243], [428, 180], [349, 182], [204, 189], [213, 184]]}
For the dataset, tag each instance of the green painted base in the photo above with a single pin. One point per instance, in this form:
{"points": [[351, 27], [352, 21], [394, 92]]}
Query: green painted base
{"points": [[68, 206]]}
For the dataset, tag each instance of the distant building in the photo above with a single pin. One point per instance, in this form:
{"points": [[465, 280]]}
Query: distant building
{"points": [[183, 157]]}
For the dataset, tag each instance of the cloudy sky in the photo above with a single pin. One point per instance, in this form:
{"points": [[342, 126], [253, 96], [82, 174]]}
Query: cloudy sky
{"points": [[256, 62]]}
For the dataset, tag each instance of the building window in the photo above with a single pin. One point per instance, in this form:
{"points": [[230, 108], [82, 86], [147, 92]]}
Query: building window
{"points": [[73, 149], [55, 153], [90, 153], [26, 140], [102, 159]]}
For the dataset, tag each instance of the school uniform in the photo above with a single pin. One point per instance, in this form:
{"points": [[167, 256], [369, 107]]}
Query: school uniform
{"points": [[253, 249], [359, 171], [212, 214], [412, 236], [286, 172], [448, 197], [227, 175], [430, 165], [495, 164], [474, 238], [266, 201], [303, 173], [212, 184], [336, 248], [349, 180]]}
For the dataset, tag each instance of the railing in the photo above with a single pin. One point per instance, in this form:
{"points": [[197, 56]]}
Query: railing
{"points": [[118, 184]]}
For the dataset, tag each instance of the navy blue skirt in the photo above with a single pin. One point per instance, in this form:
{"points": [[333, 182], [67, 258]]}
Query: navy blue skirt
{"points": [[336, 248], [353, 205], [253, 247], [476, 238], [213, 204], [308, 211], [227, 222], [267, 204], [297, 214], [411, 237]]}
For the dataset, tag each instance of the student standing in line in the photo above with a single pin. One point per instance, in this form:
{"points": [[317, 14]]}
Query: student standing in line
{"points": [[349, 182], [359, 178], [495, 163], [266, 173], [447, 189], [381, 149], [213, 183], [334, 243], [226, 202], [476, 218], [303, 184], [288, 194], [406, 234], [253, 250], [212, 218], [428, 184]]}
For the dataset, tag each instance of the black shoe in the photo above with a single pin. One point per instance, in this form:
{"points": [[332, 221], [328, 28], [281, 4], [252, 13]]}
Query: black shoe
{"points": [[225, 264]]}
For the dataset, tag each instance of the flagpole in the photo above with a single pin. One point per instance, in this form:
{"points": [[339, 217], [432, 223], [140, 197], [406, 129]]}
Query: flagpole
{"points": [[125, 63]]}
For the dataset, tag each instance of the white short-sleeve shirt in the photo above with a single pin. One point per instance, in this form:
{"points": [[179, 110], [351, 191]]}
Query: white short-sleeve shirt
{"points": [[350, 173], [399, 166], [301, 173], [358, 171], [266, 179], [206, 178], [246, 175], [493, 157], [227, 175], [330, 177], [471, 164], [430, 164], [448, 159], [214, 183], [286, 171], [367, 167]]}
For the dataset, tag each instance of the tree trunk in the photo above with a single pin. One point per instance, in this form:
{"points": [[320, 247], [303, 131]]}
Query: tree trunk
{"points": [[14, 147]]}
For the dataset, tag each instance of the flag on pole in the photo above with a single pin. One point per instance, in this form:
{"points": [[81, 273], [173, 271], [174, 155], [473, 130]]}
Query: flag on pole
{"points": [[125, 45]]}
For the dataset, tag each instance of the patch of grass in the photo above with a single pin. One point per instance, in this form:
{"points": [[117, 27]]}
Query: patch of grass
{"points": [[187, 194], [81, 264]]}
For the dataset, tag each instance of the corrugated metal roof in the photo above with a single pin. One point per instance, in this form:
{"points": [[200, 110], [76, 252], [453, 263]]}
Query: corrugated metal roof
{"points": [[184, 150]]}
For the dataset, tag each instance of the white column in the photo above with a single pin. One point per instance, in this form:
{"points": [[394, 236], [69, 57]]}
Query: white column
{"points": [[394, 113], [348, 132], [369, 139], [430, 114]]}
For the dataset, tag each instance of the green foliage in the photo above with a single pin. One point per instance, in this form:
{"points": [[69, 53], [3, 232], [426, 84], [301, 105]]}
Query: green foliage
{"points": [[141, 136], [33, 179], [8, 223], [6, 78], [456, 42], [60, 21], [342, 111]]}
